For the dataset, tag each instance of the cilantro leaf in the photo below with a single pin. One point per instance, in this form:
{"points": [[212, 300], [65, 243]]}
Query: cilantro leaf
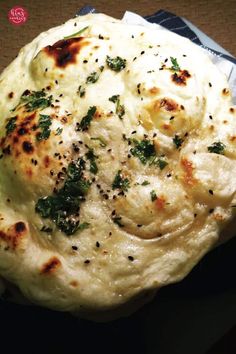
{"points": [[86, 120], [11, 125], [90, 156], [44, 124], [76, 33], [177, 141], [120, 182], [92, 78], [175, 65], [217, 148], [153, 195], [144, 150], [116, 64], [120, 109], [145, 183], [63, 207], [35, 100]]}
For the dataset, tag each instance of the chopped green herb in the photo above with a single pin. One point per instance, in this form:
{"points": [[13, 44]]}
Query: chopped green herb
{"points": [[177, 141], [44, 124], [120, 109], [145, 183], [91, 157], [101, 140], [117, 64], [59, 131], [144, 150], [83, 226], [117, 220], [35, 100], [86, 120], [92, 78], [114, 98], [76, 33], [217, 148], [101, 68], [11, 125], [120, 182], [81, 91], [63, 207], [161, 163], [175, 65], [153, 195]]}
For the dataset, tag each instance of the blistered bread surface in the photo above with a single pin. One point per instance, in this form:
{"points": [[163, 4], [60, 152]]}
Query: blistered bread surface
{"points": [[134, 129]]}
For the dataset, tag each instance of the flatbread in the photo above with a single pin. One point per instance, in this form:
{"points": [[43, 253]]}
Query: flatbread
{"points": [[117, 169]]}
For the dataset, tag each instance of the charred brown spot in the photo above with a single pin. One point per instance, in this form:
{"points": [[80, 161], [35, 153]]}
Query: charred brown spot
{"points": [[27, 147], [52, 264], [22, 131], [188, 169], [15, 139], [169, 104], [154, 90], [167, 126], [29, 172], [7, 150], [20, 227], [74, 283], [14, 234], [231, 110], [46, 161], [64, 51], [181, 78], [11, 94], [160, 202], [225, 92]]}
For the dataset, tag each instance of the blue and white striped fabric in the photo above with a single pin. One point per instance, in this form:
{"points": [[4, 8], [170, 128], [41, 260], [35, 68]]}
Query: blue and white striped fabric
{"points": [[172, 23]]}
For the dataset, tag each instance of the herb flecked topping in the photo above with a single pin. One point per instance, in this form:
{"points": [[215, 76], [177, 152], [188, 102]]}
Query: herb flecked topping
{"points": [[144, 150], [92, 158], [153, 195], [177, 141], [34, 100], [116, 64], [217, 148], [120, 182], [86, 120], [44, 124], [76, 33], [11, 125], [120, 109], [63, 207], [175, 65], [92, 78]]}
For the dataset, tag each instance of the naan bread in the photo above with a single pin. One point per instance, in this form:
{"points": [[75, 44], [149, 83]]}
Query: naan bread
{"points": [[117, 169]]}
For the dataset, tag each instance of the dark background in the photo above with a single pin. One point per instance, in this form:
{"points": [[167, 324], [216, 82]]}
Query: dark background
{"points": [[196, 316]]}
